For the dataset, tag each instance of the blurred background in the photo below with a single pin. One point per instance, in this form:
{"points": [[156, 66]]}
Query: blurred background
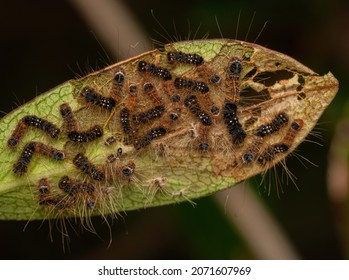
{"points": [[44, 43]]}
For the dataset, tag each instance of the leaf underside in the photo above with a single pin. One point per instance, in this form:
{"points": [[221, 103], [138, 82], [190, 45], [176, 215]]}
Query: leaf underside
{"points": [[191, 158]]}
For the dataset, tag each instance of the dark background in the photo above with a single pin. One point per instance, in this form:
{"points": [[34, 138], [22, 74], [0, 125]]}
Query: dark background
{"points": [[44, 43]]}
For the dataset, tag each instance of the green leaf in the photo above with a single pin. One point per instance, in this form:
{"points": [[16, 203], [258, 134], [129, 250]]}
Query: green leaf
{"points": [[169, 168]]}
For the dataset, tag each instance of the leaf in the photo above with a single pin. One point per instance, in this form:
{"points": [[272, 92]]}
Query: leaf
{"points": [[187, 127]]}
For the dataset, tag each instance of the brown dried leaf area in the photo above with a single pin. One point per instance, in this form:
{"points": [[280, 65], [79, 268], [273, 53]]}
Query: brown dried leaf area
{"points": [[174, 124]]}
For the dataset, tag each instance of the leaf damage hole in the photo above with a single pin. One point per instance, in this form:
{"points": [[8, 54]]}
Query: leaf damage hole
{"points": [[301, 96], [250, 96], [271, 78]]}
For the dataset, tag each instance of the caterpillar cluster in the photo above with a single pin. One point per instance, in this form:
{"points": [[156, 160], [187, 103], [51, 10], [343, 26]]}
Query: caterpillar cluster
{"points": [[145, 105]]}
